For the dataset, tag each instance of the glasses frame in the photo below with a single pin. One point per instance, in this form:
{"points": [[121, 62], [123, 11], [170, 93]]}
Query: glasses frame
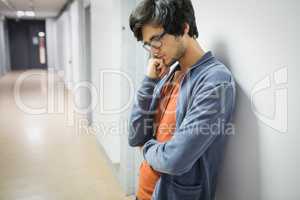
{"points": [[155, 42]]}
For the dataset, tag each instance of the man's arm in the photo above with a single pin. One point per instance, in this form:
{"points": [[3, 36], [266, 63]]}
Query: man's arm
{"points": [[141, 119], [211, 104]]}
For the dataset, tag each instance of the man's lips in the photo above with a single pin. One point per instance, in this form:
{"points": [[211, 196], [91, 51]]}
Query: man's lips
{"points": [[159, 56], [162, 57]]}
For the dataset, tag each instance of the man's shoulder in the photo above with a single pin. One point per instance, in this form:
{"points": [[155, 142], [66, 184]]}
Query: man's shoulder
{"points": [[215, 73]]}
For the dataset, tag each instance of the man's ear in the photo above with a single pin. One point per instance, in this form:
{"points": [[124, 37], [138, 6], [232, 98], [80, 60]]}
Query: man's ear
{"points": [[186, 28]]}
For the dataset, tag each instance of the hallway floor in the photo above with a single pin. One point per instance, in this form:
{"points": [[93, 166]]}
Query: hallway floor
{"points": [[43, 157]]}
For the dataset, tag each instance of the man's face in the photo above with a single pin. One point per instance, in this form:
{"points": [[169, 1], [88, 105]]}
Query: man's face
{"points": [[172, 48]]}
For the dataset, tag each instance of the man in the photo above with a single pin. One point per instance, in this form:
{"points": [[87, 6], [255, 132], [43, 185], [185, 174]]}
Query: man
{"points": [[181, 115]]}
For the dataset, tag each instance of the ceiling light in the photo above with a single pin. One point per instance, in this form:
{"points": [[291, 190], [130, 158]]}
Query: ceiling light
{"points": [[20, 13], [30, 13]]}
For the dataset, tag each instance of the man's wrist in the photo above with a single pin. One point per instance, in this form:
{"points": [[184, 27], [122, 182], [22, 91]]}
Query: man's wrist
{"points": [[151, 78]]}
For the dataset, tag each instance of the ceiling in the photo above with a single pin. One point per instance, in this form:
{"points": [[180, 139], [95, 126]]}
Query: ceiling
{"points": [[42, 8]]}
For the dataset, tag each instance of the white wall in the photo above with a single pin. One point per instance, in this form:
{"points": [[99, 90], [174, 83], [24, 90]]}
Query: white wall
{"points": [[4, 48], [111, 52], [256, 39], [67, 37], [106, 55], [115, 49], [80, 66], [134, 60], [76, 11], [67, 53], [51, 43], [70, 49], [64, 46], [65, 42]]}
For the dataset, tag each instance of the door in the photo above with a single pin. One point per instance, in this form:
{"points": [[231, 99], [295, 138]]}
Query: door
{"points": [[27, 42]]}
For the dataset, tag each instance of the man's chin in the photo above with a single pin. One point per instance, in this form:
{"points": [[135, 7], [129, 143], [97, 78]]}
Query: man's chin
{"points": [[170, 63]]}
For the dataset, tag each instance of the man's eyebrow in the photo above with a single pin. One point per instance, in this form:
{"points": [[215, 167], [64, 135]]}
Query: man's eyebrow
{"points": [[153, 36]]}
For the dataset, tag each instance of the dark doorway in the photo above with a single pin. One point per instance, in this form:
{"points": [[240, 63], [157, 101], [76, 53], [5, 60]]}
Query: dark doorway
{"points": [[27, 42]]}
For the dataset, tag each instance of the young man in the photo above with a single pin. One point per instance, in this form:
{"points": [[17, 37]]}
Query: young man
{"points": [[181, 116]]}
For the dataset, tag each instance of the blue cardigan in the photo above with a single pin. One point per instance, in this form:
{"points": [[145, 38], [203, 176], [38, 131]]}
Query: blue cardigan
{"points": [[189, 162]]}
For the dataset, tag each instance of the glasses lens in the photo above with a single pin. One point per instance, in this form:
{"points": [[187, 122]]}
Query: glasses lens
{"points": [[156, 43]]}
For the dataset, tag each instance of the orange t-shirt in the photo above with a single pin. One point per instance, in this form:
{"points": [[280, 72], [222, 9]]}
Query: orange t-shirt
{"points": [[165, 119]]}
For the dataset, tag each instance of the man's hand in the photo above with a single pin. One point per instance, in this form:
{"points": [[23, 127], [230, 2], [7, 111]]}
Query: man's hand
{"points": [[156, 68]]}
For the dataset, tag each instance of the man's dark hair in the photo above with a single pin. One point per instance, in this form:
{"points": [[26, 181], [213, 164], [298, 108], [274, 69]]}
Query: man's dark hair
{"points": [[171, 14]]}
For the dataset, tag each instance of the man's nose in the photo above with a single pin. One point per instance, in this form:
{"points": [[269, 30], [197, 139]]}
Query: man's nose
{"points": [[155, 51]]}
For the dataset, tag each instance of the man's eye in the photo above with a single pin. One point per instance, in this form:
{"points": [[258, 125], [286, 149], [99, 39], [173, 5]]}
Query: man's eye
{"points": [[155, 39]]}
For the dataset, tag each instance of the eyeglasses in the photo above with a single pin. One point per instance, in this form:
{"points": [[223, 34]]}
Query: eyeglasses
{"points": [[155, 42]]}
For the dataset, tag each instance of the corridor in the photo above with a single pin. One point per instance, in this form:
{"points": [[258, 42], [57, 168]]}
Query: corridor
{"points": [[42, 157]]}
